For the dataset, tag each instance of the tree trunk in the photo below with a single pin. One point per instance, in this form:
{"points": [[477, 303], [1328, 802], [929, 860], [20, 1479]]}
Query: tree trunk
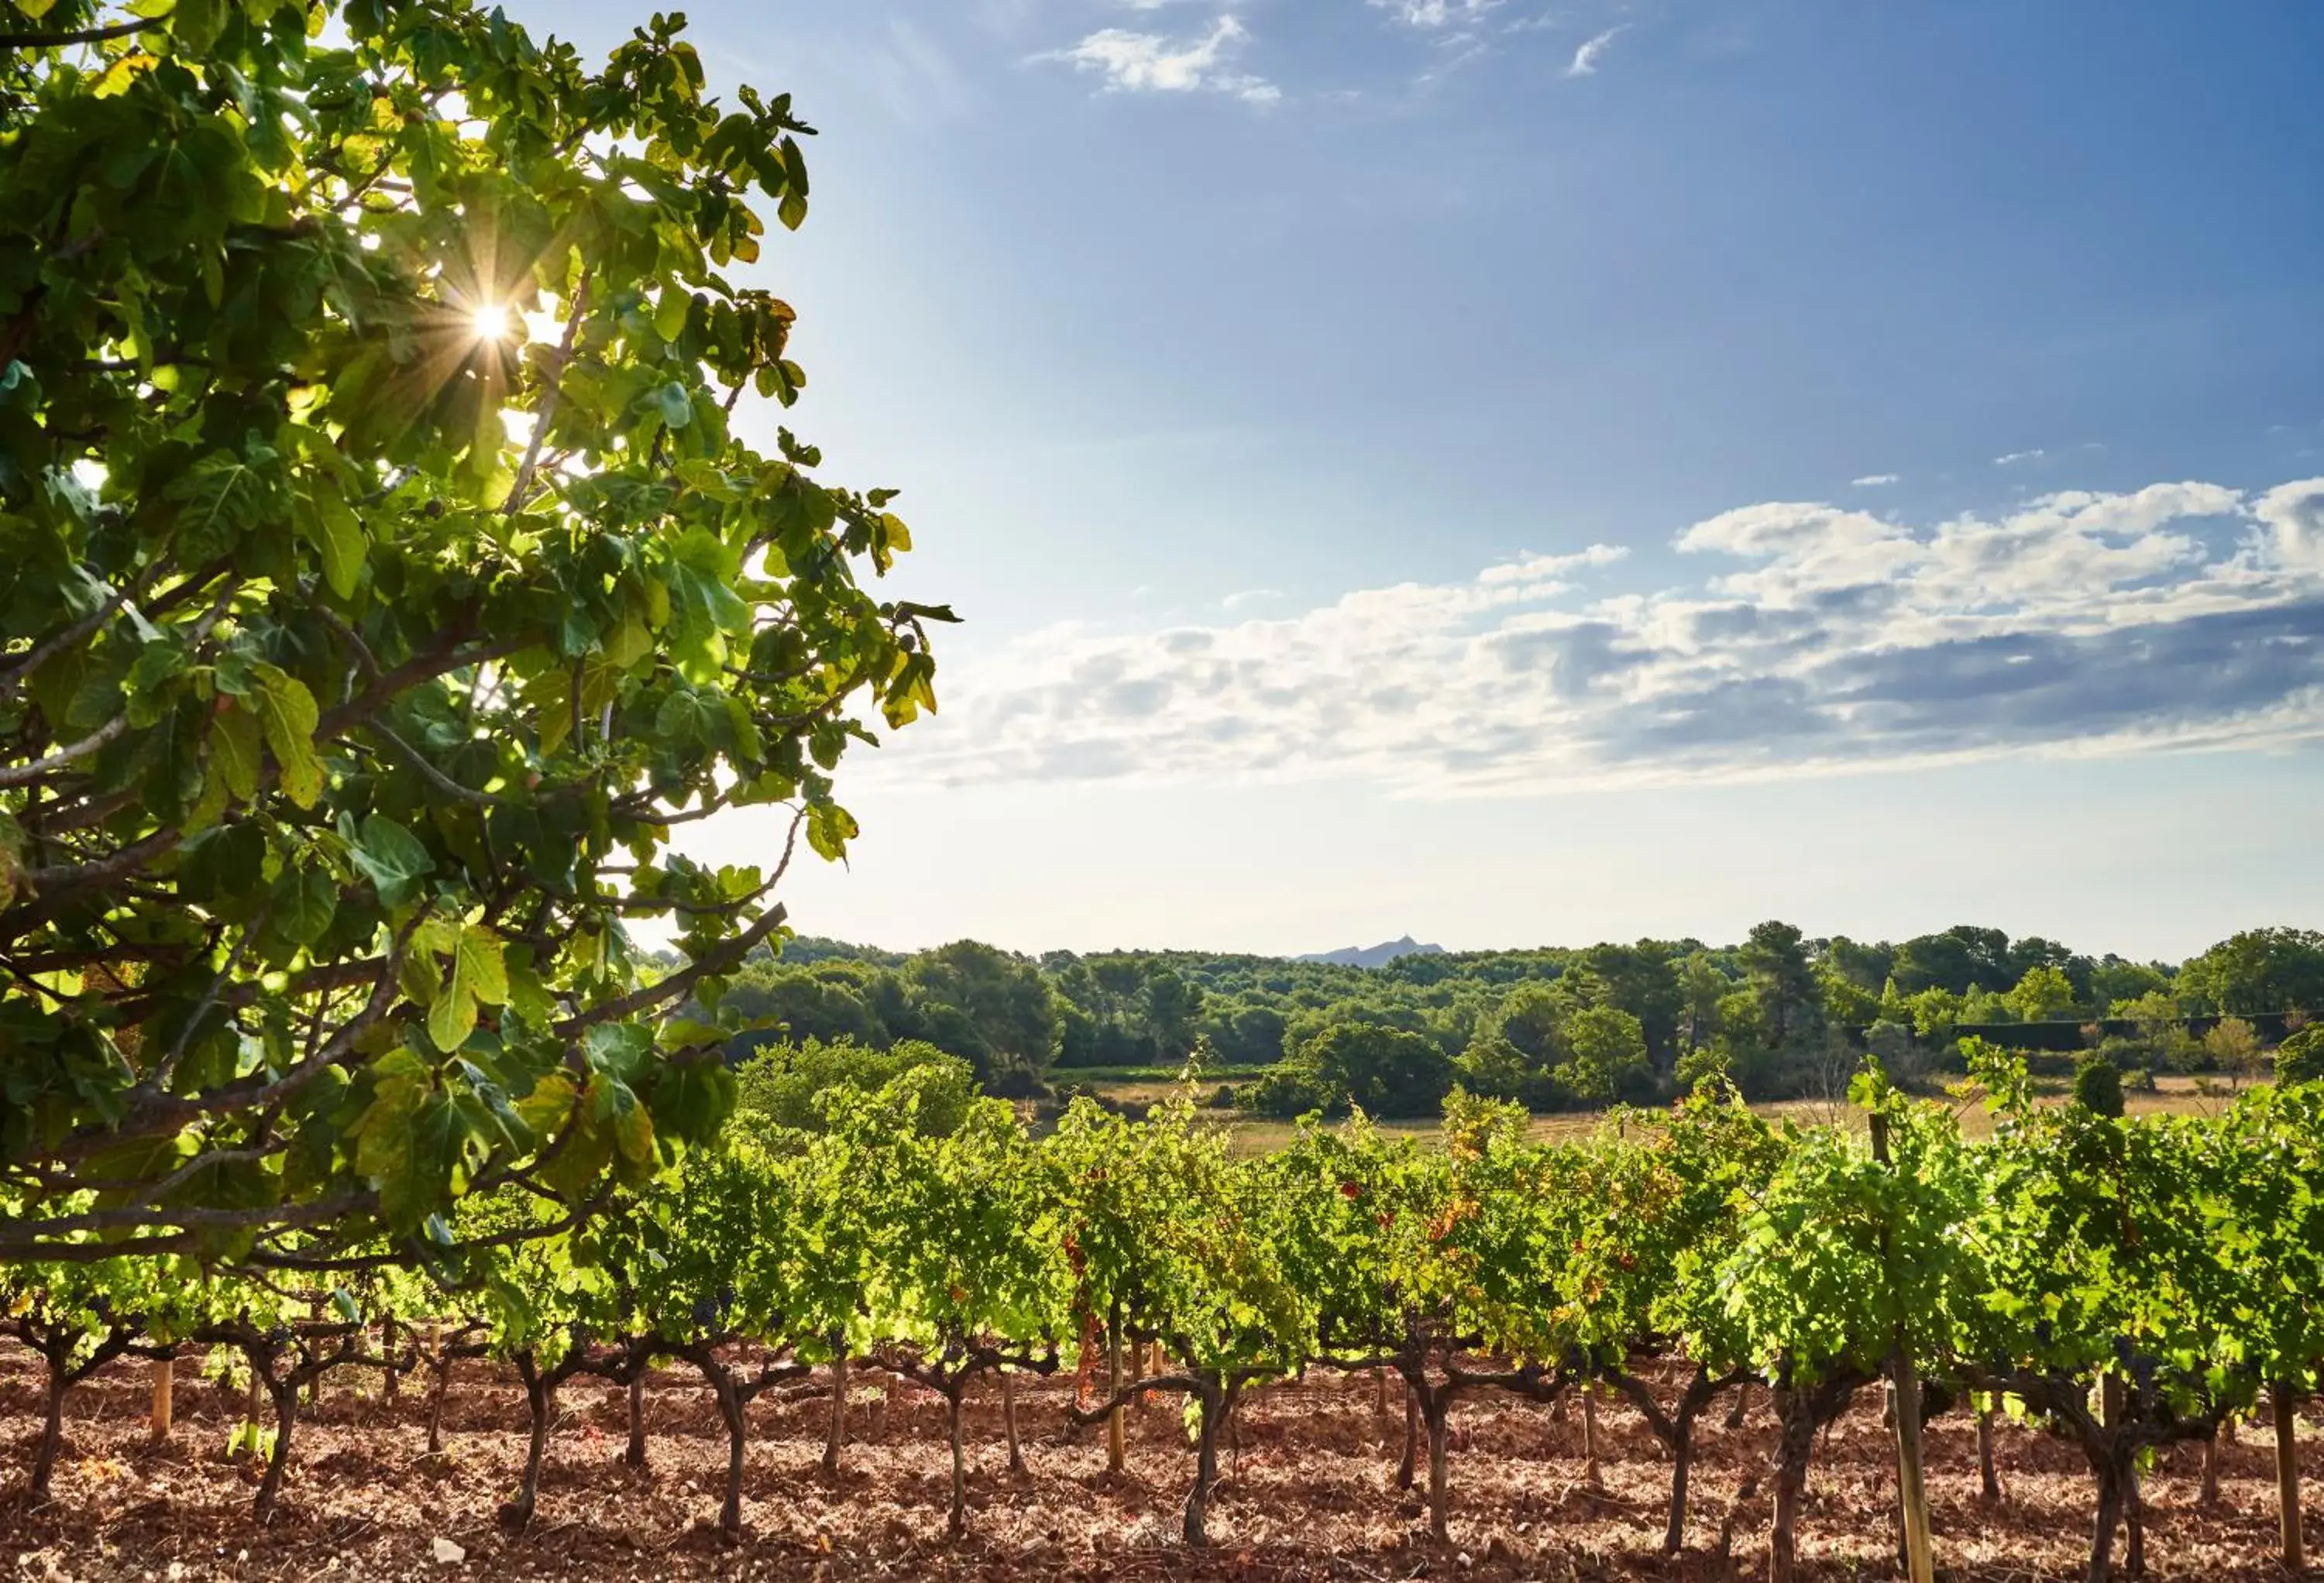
{"points": [[250, 1400], [1912, 1490], [2124, 1473], [1742, 1404], [2210, 1495], [165, 1383], [2134, 1505], [442, 1370], [1116, 1449], [52, 1431], [270, 1488], [1008, 1421], [2109, 1518], [536, 1402], [1590, 1471], [957, 1523], [1796, 1414], [1988, 1480], [1437, 1411], [2287, 1473], [1215, 1404], [391, 1382], [838, 1436], [1411, 1438], [1681, 1449], [1379, 1392], [634, 1454], [730, 1409]]}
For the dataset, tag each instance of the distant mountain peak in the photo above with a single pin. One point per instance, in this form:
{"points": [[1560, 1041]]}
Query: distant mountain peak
{"points": [[1372, 956]]}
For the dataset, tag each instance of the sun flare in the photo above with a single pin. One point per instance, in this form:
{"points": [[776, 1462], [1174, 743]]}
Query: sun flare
{"points": [[492, 321]]}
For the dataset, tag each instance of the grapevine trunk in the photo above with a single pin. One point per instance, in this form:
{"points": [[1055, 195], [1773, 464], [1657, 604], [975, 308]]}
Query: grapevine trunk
{"points": [[52, 1429], [1008, 1419], [957, 1522], [2284, 1403], [634, 1455], [1404, 1471], [286, 1415], [838, 1437]]}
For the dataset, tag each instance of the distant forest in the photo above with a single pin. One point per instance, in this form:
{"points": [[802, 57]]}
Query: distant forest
{"points": [[1782, 1013]]}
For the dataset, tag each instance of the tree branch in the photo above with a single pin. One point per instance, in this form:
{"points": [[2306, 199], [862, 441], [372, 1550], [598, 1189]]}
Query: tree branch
{"points": [[14, 775], [55, 644], [522, 486], [96, 35], [716, 960]]}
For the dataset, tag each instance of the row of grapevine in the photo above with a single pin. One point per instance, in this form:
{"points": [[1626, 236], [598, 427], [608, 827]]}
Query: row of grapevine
{"points": [[2128, 1282]]}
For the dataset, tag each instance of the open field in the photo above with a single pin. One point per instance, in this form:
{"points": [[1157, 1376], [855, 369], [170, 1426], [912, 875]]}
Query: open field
{"points": [[1156, 1077], [1309, 1494], [2173, 1095]]}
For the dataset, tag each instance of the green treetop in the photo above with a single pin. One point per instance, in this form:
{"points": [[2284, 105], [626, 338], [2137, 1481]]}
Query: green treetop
{"points": [[385, 572]]}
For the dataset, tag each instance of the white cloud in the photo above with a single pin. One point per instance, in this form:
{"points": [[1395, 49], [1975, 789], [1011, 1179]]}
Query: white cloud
{"points": [[1136, 62], [1872, 481], [2012, 458], [1586, 58], [1438, 14], [1818, 639], [1249, 597], [2294, 514]]}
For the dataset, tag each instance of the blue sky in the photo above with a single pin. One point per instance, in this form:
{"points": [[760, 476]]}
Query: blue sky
{"points": [[1523, 474]]}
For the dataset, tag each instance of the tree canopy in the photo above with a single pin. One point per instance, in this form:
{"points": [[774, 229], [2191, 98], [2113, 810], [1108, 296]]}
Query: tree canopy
{"points": [[385, 568]]}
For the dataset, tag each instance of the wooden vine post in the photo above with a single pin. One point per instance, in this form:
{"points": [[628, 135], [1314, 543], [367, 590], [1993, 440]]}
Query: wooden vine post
{"points": [[165, 1379], [2285, 1401], [1115, 1447], [1912, 1490]]}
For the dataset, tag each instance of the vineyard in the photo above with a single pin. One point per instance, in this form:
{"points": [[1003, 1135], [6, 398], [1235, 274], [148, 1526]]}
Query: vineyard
{"points": [[403, 556], [1699, 1295]]}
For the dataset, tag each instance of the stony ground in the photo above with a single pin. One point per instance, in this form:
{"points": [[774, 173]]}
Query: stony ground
{"points": [[1310, 1493]]}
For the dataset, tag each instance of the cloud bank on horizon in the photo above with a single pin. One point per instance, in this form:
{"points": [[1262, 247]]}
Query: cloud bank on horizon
{"points": [[1822, 639]]}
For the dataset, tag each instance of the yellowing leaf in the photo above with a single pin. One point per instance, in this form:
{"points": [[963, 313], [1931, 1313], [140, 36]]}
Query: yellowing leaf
{"points": [[287, 715], [452, 1019], [235, 750], [341, 537], [633, 1134], [478, 975], [669, 313], [545, 1110], [549, 695], [479, 967]]}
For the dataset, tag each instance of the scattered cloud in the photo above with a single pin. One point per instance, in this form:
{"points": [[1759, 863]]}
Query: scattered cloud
{"points": [[1249, 597], [1818, 639], [1136, 62], [2294, 514], [2012, 458], [1586, 58], [1872, 481], [1438, 14]]}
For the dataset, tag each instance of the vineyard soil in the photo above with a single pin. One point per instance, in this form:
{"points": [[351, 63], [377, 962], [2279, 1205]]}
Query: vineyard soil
{"points": [[1309, 1494]]}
